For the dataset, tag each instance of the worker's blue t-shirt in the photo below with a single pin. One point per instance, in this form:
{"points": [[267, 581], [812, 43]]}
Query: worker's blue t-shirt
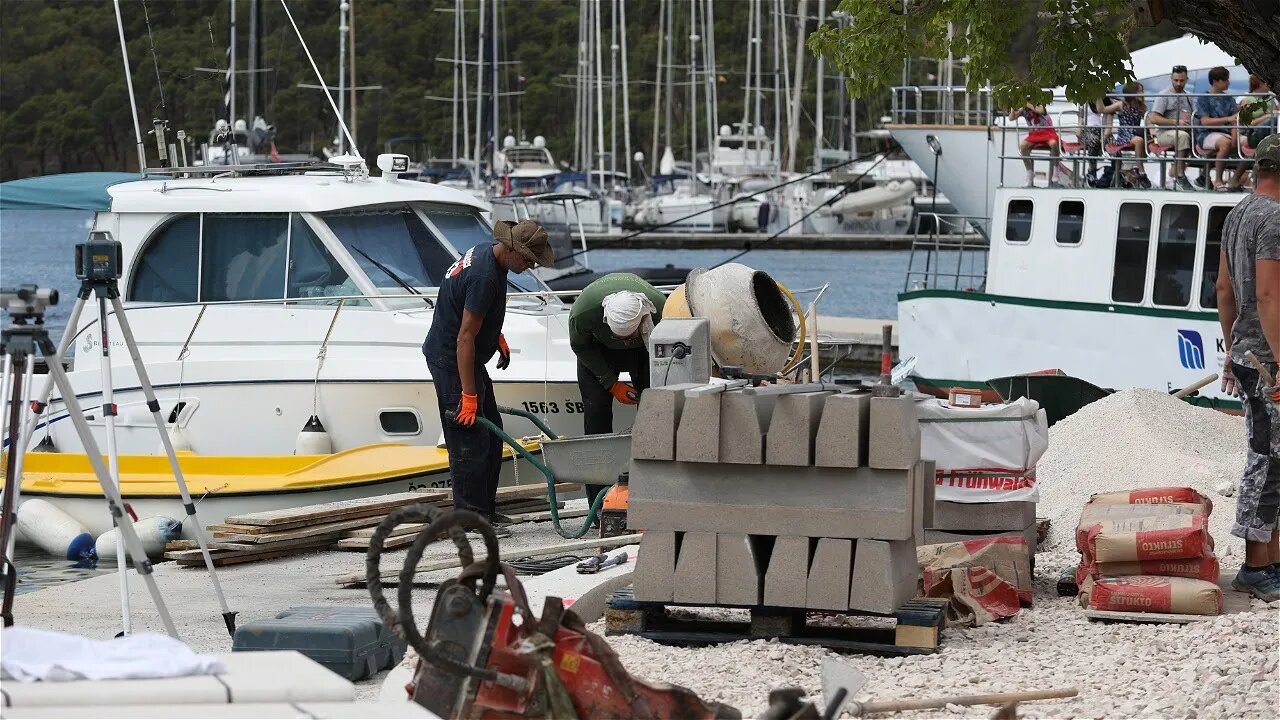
{"points": [[474, 282]]}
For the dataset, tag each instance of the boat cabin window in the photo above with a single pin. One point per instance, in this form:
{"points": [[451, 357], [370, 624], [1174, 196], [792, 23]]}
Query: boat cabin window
{"points": [[392, 247], [1176, 255], [166, 271], [1212, 253], [242, 256], [313, 271], [464, 229], [1017, 222], [1070, 222], [1133, 240]]}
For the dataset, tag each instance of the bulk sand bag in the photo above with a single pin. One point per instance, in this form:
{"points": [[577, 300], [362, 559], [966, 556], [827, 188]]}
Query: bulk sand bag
{"points": [[1095, 514], [1204, 568], [1150, 538], [984, 454], [1155, 496], [1145, 593]]}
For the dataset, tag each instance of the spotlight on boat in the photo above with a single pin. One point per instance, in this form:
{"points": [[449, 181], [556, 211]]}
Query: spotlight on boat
{"points": [[934, 145], [313, 439]]}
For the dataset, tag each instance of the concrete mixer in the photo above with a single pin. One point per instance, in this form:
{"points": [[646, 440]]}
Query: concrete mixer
{"points": [[752, 326]]}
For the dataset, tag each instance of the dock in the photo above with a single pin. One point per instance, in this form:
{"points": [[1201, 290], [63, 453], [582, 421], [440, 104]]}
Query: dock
{"points": [[639, 240], [853, 343]]}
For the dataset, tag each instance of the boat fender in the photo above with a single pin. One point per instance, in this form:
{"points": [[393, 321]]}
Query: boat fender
{"points": [[313, 439], [45, 525], [154, 533]]}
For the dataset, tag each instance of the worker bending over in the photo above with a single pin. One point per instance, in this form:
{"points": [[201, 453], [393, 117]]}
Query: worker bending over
{"points": [[609, 328], [466, 331]]}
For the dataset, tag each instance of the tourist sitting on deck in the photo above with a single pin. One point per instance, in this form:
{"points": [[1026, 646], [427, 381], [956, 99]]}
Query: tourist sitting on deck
{"points": [[1130, 135], [1098, 115], [1258, 111], [1172, 113], [1042, 136], [1216, 133]]}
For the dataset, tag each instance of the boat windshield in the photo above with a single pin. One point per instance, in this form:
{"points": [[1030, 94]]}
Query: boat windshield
{"points": [[463, 228]]}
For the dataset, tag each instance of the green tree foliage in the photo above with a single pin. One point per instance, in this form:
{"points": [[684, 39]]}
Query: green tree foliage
{"points": [[1079, 44]]}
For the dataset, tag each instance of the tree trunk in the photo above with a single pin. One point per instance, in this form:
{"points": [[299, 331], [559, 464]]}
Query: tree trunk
{"points": [[1249, 30]]}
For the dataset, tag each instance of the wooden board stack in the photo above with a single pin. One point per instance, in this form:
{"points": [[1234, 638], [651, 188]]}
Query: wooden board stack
{"points": [[347, 524]]}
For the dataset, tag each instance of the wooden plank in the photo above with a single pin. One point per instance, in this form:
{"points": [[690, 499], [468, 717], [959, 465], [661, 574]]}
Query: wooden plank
{"points": [[1145, 617], [357, 579], [192, 558], [341, 509], [313, 531], [391, 543], [407, 529], [278, 545]]}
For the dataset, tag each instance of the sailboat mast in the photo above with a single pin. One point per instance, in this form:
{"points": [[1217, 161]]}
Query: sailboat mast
{"points": [[626, 87], [493, 76], [821, 77], [253, 60], [479, 148], [793, 124], [599, 78], [231, 70], [343, 6], [613, 88]]}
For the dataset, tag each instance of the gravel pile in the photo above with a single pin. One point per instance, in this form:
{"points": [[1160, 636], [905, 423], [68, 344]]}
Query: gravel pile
{"points": [[1141, 438]]}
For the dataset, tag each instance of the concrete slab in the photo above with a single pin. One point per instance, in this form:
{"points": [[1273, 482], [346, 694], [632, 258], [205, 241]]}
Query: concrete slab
{"points": [[765, 500], [108, 693], [695, 579], [786, 581], [744, 422], [894, 440], [737, 577], [983, 517], [884, 575], [918, 482], [698, 436], [843, 431], [793, 429], [587, 594], [273, 676], [829, 575], [653, 436], [655, 566]]}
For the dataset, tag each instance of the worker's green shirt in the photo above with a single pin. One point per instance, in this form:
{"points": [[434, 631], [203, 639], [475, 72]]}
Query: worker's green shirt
{"points": [[589, 334]]}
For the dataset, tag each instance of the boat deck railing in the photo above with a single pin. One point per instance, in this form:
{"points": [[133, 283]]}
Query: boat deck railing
{"points": [[948, 252]]}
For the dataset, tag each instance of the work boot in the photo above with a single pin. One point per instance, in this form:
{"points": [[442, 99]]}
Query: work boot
{"points": [[1263, 584]]}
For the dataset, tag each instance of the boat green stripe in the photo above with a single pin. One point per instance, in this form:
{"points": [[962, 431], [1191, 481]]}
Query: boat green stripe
{"points": [[1113, 308]]}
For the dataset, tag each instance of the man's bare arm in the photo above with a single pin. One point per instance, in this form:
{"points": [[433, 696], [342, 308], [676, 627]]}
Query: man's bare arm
{"points": [[467, 350], [1268, 292], [1226, 301]]}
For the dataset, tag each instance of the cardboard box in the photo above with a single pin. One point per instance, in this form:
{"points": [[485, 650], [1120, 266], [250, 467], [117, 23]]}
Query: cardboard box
{"points": [[964, 397]]}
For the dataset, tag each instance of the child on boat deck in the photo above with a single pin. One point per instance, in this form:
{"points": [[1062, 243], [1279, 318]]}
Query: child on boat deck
{"points": [[1042, 135], [1130, 134]]}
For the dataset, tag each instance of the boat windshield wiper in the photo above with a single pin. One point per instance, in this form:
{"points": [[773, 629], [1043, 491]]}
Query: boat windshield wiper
{"points": [[396, 278]]}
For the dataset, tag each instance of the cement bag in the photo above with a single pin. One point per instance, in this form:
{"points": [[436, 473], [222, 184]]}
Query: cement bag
{"points": [[1149, 538], [1205, 568], [984, 454], [1095, 513], [1155, 496], [1007, 557], [1146, 593]]}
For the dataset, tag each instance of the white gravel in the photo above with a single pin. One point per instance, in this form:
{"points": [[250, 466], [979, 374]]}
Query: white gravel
{"points": [[1135, 439]]}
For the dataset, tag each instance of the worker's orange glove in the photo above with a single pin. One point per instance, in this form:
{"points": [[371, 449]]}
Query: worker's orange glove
{"points": [[1272, 393], [504, 352], [466, 415], [624, 393]]}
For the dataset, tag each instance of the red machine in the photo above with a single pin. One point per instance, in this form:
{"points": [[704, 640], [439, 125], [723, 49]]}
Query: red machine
{"points": [[486, 656]]}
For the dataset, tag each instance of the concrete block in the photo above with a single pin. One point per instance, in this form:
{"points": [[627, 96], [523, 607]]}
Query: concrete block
{"points": [[894, 440], [744, 421], [289, 676], [843, 431], [788, 575], [983, 517], [885, 575], [653, 436], [737, 577], [793, 429], [766, 500], [933, 536], [655, 572], [930, 491], [698, 437], [829, 575], [918, 481], [108, 693], [695, 579]]}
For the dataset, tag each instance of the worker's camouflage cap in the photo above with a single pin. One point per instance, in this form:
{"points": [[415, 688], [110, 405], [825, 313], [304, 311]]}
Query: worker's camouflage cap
{"points": [[527, 238], [1268, 153]]}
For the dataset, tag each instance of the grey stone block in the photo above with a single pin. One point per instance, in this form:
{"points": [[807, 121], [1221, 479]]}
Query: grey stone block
{"points": [[696, 569], [737, 577], [698, 437], [884, 575], [983, 517], [788, 574], [930, 491], [653, 436], [793, 429], [918, 481], [655, 571], [766, 500], [933, 536], [744, 421], [829, 575], [843, 431], [894, 440]]}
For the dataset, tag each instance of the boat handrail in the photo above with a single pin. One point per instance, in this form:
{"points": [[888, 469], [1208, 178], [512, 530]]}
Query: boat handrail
{"points": [[970, 241]]}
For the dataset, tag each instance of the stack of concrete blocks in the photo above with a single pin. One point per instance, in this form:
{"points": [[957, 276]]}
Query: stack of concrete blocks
{"points": [[807, 500]]}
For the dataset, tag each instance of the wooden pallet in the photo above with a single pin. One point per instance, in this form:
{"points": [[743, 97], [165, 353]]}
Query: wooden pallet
{"points": [[917, 628], [1144, 617]]}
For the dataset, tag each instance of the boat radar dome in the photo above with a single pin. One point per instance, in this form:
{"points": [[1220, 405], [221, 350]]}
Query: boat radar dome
{"points": [[724, 131], [539, 141], [509, 141]]}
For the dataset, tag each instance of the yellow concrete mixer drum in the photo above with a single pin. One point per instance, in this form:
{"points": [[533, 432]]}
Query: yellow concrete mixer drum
{"points": [[751, 321]]}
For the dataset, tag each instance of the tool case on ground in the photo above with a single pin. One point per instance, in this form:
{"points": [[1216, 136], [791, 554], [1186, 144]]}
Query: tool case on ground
{"points": [[350, 641]]}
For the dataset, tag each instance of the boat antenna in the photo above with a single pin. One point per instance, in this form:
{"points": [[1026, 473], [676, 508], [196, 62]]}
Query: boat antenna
{"points": [[133, 101], [320, 78], [155, 62]]}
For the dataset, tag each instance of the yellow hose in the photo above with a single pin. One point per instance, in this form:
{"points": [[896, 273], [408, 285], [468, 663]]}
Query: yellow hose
{"points": [[795, 305]]}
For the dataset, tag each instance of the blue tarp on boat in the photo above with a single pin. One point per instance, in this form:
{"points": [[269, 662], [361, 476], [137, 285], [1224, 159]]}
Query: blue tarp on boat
{"points": [[69, 191]]}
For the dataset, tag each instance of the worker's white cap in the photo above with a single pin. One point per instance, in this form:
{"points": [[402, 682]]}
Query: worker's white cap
{"points": [[627, 311]]}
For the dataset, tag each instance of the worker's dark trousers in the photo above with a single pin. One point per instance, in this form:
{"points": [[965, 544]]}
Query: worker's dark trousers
{"points": [[597, 401], [475, 454]]}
